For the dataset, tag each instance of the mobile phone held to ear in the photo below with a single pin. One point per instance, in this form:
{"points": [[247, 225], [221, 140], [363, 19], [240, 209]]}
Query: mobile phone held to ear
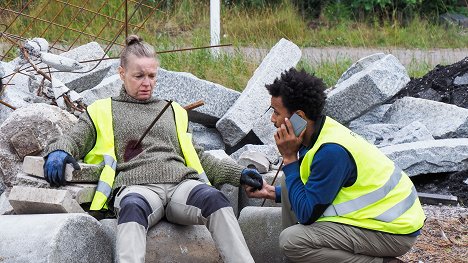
{"points": [[298, 123]]}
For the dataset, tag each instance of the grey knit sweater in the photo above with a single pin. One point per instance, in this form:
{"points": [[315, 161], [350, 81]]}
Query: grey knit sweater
{"points": [[161, 161]]}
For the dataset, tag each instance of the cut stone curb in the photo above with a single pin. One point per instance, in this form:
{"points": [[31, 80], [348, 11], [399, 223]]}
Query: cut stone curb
{"points": [[31, 200], [89, 173], [255, 100]]}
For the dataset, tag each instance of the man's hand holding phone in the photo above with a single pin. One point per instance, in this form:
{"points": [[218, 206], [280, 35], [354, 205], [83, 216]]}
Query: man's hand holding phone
{"points": [[286, 139]]}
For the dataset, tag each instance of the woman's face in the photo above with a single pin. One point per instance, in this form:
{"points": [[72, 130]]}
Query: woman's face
{"points": [[139, 76]]}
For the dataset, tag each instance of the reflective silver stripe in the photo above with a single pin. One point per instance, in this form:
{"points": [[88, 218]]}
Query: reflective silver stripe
{"points": [[109, 160], [367, 199], [398, 209], [204, 178], [104, 188]]}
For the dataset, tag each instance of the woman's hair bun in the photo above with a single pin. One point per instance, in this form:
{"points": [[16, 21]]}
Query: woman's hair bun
{"points": [[133, 39]]}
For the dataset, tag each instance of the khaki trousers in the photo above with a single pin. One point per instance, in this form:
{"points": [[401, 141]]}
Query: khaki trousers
{"points": [[333, 242], [170, 200]]}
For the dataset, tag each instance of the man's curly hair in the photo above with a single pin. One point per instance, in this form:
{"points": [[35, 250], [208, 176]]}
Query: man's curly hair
{"points": [[300, 91]]}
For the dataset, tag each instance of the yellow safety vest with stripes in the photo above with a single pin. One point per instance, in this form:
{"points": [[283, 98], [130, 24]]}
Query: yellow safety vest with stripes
{"points": [[383, 198], [104, 151]]}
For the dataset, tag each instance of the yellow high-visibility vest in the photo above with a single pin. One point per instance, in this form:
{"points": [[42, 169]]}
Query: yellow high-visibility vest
{"points": [[383, 198], [104, 150]]}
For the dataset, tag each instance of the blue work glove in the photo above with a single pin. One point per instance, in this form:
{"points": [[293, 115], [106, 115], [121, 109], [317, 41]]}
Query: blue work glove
{"points": [[252, 178], [54, 167]]}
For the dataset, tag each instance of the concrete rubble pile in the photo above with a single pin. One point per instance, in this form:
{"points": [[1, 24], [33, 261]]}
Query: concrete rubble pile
{"points": [[421, 136]]}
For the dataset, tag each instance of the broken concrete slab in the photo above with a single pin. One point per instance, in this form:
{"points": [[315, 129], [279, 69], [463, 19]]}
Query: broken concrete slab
{"points": [[441, 119], [5, 206], [60, 62], [208, 138], [92, 72], [186, 89], [255, 100], [270, 151], [437, 199], [360, 65], [89, 173], [167, 242], [264, 222], [413, 132], [255, 160], [54, 238], [376, 133], [366, 89], [373, 116], [31, 200], [264, 129], [109, 87], [25, 143], [424, 157], [46, 121]]}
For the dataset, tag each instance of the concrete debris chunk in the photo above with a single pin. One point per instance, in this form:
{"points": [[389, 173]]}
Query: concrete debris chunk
{"points": [[60, 62], [255, 160], [186, 88], [424, 157], [74, 96], [437, 199], [59, 88], [255, 100], [441, 119], [25, 143], [53, 238], [36, 46], [89, 173], [264, 222], [32, 200], [366, 89]]}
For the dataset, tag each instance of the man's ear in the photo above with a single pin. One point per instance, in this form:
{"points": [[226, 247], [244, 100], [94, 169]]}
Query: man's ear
{"points": [[301, 114], [121, 72]]}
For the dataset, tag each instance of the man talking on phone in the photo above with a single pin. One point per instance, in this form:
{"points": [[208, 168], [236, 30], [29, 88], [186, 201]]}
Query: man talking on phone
{"points": [[342, 199]]}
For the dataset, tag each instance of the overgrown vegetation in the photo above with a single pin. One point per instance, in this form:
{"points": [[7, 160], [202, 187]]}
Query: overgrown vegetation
{"points": [[258, 24]]}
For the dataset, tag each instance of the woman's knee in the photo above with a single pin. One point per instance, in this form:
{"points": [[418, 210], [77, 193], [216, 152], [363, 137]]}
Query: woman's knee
{"points": [[207, 199], [134, 208]]}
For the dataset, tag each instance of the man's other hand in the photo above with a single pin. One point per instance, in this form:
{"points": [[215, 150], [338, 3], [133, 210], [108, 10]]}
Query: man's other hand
{"points": [[251, 178]]}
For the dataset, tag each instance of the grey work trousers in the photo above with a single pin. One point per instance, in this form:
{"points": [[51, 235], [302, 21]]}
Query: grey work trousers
{"points": [[333, 242], [170, 200]]}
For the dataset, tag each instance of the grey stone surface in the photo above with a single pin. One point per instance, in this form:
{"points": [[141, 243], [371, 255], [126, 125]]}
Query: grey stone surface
{"points": [[366, 89], [208, 138], [232, 194], [413, 132], [32, 200], [220, 154], [245, 201], [44, 120], [441, 119], [25, 143], [254, 160], [373, 116], [54, 238], [89, 173], [186, 89], [360, 65], [255, 100], [461, 80], [168, 242], [109, 87], [5, 206], [270, 151], [97, 70], [376, 133], [261, 227], [60, 62], [436, 156], [264, 129]]}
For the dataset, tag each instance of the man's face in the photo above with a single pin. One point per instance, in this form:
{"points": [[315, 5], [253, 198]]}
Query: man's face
{"points": [[139, 77], [279, 111]]}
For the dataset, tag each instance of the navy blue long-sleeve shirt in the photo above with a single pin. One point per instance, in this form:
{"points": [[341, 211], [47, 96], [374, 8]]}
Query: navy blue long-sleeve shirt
{"points": [[331, 169]]}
